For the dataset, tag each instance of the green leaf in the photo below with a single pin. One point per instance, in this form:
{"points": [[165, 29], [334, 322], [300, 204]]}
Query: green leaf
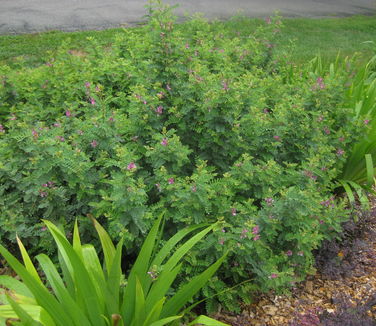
{"points": [[107, 245], [369, 167], [61, 292], [27, 261], [204, 320], [40, 292], [177, 302], [140, 269], [165, 321], [25, 318], [81, 277]]}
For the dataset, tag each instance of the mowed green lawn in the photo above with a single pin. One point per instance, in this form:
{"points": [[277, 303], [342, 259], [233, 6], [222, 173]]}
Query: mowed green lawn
{"points": [[310, 36]]}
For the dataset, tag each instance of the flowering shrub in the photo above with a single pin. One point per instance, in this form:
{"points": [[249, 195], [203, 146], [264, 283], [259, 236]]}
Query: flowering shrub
{"points": [[203, 122]]}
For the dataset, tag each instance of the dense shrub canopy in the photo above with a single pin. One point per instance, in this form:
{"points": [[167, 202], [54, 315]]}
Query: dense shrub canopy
{"points": [[202, 122]]}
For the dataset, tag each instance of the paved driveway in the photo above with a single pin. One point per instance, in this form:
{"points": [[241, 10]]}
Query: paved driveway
{"points": [[25, 16]]}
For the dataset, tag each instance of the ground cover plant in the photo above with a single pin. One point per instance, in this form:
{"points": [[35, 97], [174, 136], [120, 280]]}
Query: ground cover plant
{"points": [[205, 122], [88, 295]]}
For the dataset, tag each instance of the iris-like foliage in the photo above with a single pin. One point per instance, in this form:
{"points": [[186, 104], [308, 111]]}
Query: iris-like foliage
{"points": [[88, 295]]}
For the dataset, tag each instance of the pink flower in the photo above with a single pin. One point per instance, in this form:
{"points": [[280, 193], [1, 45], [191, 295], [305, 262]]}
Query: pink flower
{"points": [[225, 86], [87, 85], [223, 230], [255, 230], [340, 152], [273, 275], [92, 101], [131, 166], [12, 117], [171, 181], [321, 222], [43, 194], [35, 134], [159, 110], [366, 122], [164, 142], [68, 113], [111, 119], [43, 228], [341, 139], [61, 138], [277, 138], [257, 237], [289, 253], [94, 143], [186, 45], [168, 87], [243, 234], [2, 129], [326, 130], [269, 201], [57, 125], [233, 211]]}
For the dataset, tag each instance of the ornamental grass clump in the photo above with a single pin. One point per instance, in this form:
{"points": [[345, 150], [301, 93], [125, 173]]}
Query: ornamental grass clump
{"points": [[85, 294]]}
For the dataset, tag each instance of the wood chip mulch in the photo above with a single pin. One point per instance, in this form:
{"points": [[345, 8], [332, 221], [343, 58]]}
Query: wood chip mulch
{"points": [[317, 292]]}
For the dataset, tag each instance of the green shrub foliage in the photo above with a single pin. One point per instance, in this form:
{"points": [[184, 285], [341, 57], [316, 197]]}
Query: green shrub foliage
{"points": [[194, 118]]}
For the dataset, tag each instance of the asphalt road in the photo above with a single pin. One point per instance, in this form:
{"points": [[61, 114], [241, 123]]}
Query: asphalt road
{"points": [[27, 16]]}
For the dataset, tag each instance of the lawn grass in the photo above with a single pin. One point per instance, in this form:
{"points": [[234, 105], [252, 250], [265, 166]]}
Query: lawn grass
{"points": [[311, 36]]}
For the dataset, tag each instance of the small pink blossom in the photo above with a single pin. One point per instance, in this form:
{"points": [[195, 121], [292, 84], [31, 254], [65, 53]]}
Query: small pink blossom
{"points": [[244, 234], [13, 117], [164, 142], [340, 152], [57, 125], [269, 201], [168, 87], [35, 134], [61, 138], [256, 230], [223, 230], [233, 211], [2, 130], [68, 113], [186, 45], [277, 138], [111, 119], [289, 253], [225, 86], [273, 275], [266, 111], [92, 101], [321, 222], [257, 237], [131, 166], [159, 110], [327, 130], [43, 194], [171, 181], [87, 85], [43, 228], [94, 143], [366, 122], [341, 139]]}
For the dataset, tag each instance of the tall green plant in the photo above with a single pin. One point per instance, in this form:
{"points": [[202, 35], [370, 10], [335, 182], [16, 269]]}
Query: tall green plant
{"points": [[88, 295]]}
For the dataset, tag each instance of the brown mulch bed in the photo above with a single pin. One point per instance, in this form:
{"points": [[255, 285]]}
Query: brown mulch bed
{"points": [[318, 292]]}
